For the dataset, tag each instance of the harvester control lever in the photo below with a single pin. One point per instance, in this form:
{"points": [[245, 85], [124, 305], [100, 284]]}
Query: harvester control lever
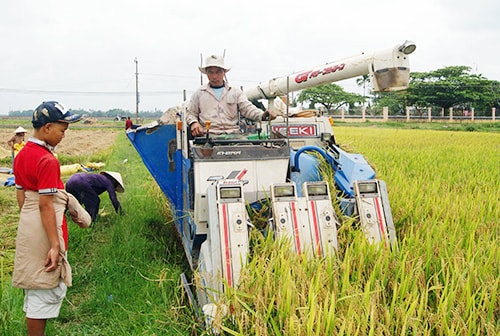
{"points": [[208, 123]]}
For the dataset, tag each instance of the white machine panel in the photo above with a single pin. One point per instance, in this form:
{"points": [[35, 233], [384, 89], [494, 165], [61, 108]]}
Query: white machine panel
{"points": [[322, 217], [309, 223], [375, 213]]}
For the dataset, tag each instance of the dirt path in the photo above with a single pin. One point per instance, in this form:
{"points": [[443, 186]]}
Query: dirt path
{"points": [[75, 142]]}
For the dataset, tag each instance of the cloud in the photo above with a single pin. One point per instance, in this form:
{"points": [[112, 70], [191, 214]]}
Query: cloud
{"points": [[83, 53]]}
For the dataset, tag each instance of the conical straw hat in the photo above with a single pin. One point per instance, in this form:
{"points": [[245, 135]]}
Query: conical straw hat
{"points": [[118, 178], [20, 130]]}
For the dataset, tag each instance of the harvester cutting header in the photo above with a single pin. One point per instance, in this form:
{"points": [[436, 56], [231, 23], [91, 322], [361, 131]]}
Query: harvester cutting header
{"points": [[211, 182]]}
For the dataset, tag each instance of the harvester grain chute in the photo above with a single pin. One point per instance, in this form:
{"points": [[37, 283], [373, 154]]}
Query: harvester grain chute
{"points": [[211, 182]]}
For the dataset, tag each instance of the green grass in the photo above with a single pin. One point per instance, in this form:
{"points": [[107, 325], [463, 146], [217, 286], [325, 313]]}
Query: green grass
{"points": [[126, 269]]}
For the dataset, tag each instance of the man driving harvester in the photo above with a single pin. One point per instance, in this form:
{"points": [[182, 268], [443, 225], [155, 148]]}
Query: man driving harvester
{"points": [[215, 105]]}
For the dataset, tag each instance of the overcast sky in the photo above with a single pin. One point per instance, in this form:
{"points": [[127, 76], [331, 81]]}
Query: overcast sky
{"points": [[82, 53]]}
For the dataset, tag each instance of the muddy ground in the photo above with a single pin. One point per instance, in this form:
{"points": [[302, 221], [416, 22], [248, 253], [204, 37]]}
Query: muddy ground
{"points": [[75, 142]]}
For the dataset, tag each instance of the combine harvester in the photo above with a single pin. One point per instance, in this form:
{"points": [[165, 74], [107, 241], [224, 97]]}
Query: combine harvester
{"points": [[212, 181]]}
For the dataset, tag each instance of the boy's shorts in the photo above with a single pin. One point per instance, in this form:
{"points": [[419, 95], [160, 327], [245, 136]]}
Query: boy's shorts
{"points": [[44, 303]]}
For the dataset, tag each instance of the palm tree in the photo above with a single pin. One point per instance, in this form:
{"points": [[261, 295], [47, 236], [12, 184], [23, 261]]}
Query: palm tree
{"points": [[362, 81]]}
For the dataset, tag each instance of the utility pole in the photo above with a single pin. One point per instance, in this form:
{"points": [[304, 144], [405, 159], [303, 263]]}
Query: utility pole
{"points": [[136, 91]]}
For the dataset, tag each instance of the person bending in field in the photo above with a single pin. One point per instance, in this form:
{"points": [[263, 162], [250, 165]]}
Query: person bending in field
{"points": [[87, 188], [41, 267]]}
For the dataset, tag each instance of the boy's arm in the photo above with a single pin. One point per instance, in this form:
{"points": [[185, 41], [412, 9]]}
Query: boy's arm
{"points": [[48, 216]]}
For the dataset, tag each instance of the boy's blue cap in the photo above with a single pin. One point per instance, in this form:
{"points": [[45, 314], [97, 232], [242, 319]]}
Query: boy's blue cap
{"points": [[50, 112]]}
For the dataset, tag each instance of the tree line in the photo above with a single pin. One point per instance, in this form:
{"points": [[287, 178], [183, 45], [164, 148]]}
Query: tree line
{"points": [[112, 113], [449, 87]]}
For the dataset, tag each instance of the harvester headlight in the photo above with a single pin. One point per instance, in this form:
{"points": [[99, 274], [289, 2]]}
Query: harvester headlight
{"points": [[317, 189], [408, 47], [230, 192], [284, 191], [367, 187], [325, 137]]}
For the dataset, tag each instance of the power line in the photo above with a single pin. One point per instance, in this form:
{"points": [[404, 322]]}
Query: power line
{"points": [[165, 75], [88, 93]]}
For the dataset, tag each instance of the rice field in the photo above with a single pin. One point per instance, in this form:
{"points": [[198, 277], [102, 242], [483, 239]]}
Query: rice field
{"points": [[444, 189]]}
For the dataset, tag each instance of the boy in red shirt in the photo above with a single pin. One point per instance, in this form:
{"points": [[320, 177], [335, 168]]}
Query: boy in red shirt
{"points": [[40, 264]]}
